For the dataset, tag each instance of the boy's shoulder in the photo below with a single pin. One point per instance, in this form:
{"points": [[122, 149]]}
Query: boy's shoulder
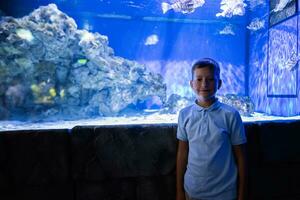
{"points": [[186, 109], [185, 114], [228, 109]]}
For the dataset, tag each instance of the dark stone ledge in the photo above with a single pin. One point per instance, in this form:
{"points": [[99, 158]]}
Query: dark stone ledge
{"points": [[123, 151], [134, 162]]}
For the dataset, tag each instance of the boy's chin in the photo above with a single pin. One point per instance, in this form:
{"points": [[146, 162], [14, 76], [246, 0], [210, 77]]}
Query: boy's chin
{"points": [[206, 99]]}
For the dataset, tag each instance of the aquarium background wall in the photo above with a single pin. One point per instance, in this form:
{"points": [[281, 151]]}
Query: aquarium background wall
{"points": [[273, 60], [81, 59]]}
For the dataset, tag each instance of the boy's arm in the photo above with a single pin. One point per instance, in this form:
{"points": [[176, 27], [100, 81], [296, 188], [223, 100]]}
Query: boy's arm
{"points": [[181, 163], [240, 156]]}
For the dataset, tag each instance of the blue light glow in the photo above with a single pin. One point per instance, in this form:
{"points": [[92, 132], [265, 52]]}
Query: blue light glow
{"points": [[106, 58]]}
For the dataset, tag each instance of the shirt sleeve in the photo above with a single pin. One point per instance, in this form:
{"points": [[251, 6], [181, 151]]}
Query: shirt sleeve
{"points": [[238, 135], [181, 132]]}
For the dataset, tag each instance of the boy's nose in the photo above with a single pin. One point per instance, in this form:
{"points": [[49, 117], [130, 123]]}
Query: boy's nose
{"points": [[204, 83]]}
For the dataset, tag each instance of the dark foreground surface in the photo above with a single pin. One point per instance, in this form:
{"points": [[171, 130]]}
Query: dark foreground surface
{"points": [[134, 162]]}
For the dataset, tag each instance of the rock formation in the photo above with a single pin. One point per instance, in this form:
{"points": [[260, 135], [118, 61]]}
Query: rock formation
{"points": [[60, 70]]}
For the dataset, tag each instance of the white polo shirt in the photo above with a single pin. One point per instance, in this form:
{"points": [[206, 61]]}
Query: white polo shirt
{"points": [[211, 170]]}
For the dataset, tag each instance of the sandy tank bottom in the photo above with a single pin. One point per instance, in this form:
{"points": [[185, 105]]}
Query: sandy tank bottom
{"points": [[133, 120]]}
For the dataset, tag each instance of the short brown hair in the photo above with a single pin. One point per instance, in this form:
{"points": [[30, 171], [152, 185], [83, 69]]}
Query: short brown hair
{"points": [[206, 62]]}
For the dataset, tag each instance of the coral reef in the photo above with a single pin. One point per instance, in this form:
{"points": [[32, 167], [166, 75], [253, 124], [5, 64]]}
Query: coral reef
{"points": [[48, 67], [243, 104]]}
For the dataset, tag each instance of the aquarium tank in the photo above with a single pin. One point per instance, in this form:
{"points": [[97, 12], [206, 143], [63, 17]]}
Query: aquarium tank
{"points": [[130, 61]]}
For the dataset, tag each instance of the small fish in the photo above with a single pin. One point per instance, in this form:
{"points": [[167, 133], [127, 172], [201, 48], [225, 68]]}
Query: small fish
{"points": [[82, 61], [52, 92], [227, 31], [151, 40], [184, 6], [256, 24], [281, 5], [231, 8]]}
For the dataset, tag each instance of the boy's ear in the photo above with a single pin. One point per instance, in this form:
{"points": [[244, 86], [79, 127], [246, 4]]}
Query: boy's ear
{"points": [[191, 83], [219, 84]]}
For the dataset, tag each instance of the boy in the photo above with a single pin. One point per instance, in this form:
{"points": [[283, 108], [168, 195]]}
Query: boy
{"points": [[211, 162]]}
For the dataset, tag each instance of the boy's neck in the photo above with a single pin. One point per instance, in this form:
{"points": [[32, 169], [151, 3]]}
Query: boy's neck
{"points": [[206, 103]]}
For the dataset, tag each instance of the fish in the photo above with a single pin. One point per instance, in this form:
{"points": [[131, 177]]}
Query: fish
{"points": [[184, 6], [256, 24], [152, 40], [281, 5], [227, 31], [231, 8], [82, 61]]}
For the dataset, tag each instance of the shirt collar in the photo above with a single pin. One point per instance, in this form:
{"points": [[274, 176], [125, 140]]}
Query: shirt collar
{"points": [[212, 107]]}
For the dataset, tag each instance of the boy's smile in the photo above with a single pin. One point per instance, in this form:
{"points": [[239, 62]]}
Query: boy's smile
{"points": [[205, 85]]}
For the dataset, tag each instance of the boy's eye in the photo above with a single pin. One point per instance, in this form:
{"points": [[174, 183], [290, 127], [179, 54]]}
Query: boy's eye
{"points": [[209, 79]]}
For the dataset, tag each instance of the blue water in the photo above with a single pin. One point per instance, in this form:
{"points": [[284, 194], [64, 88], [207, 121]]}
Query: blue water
{"points": [[258, 60]]}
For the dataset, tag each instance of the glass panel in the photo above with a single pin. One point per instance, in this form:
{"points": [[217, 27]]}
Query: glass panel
{"points": [[281, 9], [283, 59]]}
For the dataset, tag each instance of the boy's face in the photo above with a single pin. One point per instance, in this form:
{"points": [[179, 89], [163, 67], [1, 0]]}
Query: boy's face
{"points": [[205, 84]]}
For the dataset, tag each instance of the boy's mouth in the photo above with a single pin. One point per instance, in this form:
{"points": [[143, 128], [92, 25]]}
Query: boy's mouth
{"points": [[204, 90]]}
